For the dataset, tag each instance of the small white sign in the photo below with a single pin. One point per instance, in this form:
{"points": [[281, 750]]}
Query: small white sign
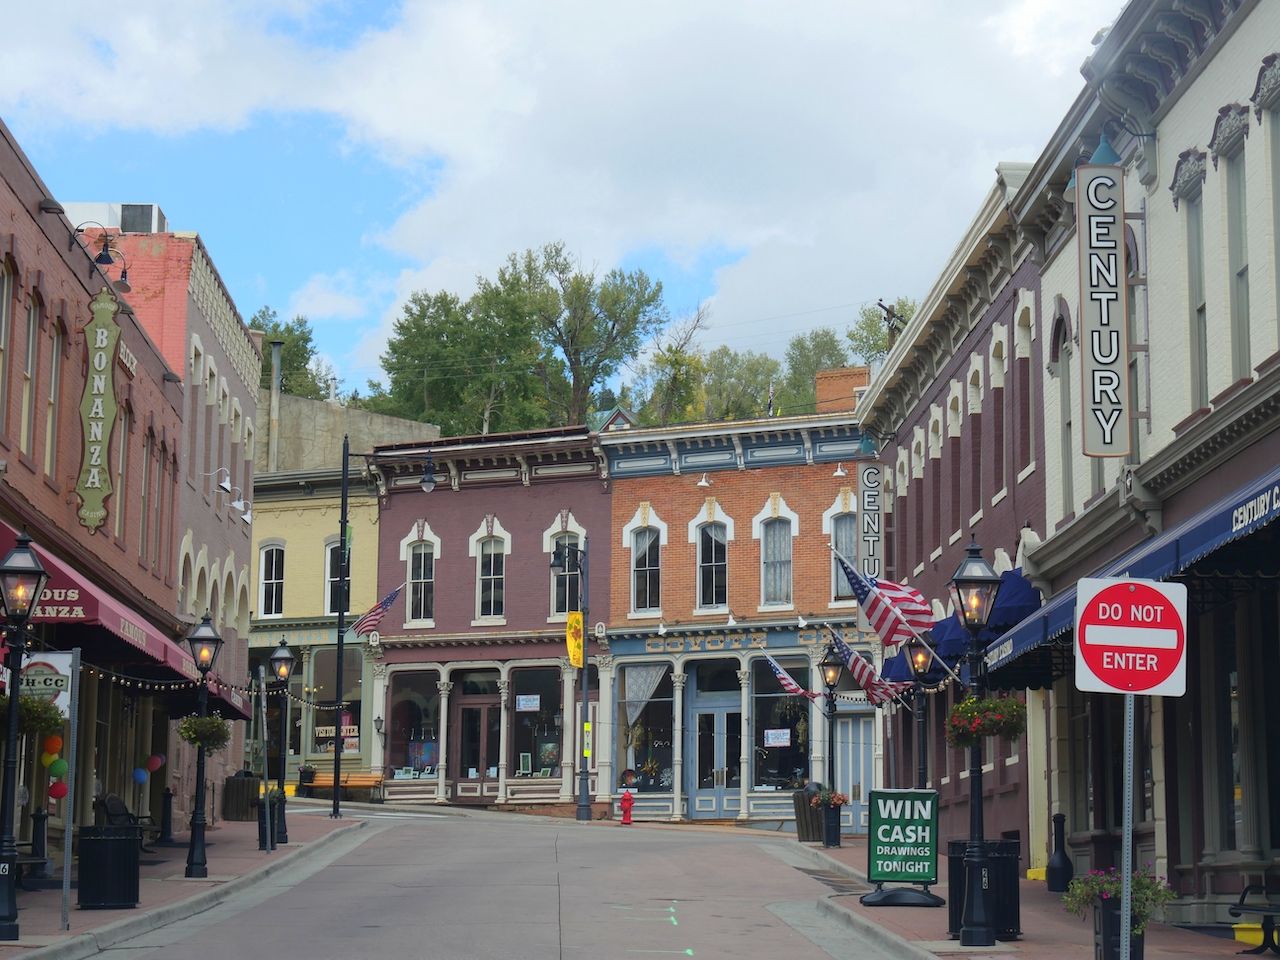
{"points": [[528, 702], [777, 738]]}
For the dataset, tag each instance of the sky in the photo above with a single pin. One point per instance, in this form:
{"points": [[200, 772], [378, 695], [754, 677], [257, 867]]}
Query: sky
{"points": [[782, 164]]}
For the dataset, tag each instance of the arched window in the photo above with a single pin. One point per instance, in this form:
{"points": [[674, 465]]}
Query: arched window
{"points": [[26, 437], [646, 575], [422, 581], [1061, 356], [490, 577], [713, 566], [7, 289], [566, 582]]}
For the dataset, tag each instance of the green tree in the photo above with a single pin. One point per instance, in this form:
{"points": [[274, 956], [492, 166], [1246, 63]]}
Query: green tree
{"points": [[302, 373], [592, 324], [462, 365], [672, 382], [807, 353], [873, 333], [737, 384]]}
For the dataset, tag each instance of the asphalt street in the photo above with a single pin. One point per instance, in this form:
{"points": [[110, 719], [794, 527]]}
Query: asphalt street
{"points": [[504, 887]]}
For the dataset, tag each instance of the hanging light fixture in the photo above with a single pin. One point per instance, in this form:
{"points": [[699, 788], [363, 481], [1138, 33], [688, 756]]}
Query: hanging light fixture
{"points": [[428, 481], [840, 471]]}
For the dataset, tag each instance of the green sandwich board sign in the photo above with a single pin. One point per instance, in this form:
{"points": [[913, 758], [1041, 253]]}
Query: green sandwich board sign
{"points": [[903, 842]]}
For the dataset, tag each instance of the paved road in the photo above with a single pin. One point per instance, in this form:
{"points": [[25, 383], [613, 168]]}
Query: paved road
{"points": [[502, 887]]}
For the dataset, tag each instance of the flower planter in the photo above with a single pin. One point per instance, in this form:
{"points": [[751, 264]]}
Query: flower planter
{"points": [[1106, 932], [831, 826]]}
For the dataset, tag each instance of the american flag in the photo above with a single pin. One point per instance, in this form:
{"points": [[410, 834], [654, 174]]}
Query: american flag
{"points": [[369, 622], [878, 690], [789, 685], [895, 611]]}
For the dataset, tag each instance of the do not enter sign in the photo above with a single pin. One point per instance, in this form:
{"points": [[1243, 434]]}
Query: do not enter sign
{"points": [[1131, 637]]}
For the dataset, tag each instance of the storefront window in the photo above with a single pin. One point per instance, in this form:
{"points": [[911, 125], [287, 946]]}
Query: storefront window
{"points": [[1227, 714], [345, 723], [645, 728], [413, 724], [780, 727], [537, 722]]}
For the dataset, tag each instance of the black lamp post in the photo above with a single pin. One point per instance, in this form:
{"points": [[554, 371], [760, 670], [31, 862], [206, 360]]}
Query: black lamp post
{"points": [[22, 580], [831, 665], [282, 661], [921, 655], [974, 588], [568, 557], [205, 644]]}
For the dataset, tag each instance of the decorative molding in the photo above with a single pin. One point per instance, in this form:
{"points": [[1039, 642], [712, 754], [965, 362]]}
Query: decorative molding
{"points": [[678, 679], [1188, 174], [443, 687], [1229, 131], [1266, 92], [504, 691]]}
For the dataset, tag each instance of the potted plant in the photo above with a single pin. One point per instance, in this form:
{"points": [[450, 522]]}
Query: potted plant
{"points": [[830, 802], [972, 720], [306, 774], [213, 733], [1100, 889]]}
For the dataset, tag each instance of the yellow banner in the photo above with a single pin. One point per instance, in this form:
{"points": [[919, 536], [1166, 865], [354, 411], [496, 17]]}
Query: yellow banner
{"points": [[573, 637]]}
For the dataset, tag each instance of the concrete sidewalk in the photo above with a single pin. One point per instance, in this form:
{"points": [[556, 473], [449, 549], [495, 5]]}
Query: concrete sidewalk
{"points": [[234, 862], [1048, 931]]}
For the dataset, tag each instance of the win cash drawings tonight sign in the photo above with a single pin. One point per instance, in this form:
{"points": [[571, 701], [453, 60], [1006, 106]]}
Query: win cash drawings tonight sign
{"points": [[903, 845]]}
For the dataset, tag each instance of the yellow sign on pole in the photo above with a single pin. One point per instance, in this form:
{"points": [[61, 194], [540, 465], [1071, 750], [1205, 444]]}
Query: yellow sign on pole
{"points": [[586, 739], [573, 637]]}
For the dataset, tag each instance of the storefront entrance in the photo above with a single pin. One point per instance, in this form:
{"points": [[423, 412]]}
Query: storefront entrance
{"points": [[474, 748], [715, 769]]}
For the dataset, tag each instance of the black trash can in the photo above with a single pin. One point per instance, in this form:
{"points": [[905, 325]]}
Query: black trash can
{"points": [[108, 875], [1003, 903], [808, 818], [240, 797]]}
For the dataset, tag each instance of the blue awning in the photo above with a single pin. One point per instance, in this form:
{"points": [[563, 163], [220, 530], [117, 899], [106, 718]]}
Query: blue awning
{"points": [[1238, 514]]}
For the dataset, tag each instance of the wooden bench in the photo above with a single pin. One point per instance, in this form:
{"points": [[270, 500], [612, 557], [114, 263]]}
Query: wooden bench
{"points": [[350, 781], [111, 811], [1266, 910]]}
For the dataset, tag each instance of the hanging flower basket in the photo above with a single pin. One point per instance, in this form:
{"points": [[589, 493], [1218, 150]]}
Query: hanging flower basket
{"points": [[973, 720], [37, 716], [212, 733]]}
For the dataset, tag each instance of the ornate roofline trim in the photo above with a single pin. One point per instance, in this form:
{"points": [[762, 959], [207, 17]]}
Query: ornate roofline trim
{"points": [[1229, 131], [1266, 92]]}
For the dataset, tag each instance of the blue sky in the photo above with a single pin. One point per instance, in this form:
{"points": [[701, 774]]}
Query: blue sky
{"points": [[782, 165]]}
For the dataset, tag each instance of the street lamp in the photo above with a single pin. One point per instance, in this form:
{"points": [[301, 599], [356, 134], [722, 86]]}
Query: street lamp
{"points": [[205, 644], [22, 580], [282, 661], [570, 558], [974, 587], [831, 665]]}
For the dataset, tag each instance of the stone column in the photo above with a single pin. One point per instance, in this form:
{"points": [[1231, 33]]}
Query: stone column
{"points": [[442, 786], [307, 714], [678, 680], [378, 707], [744, 770], [569, 723], [142, 749], [819, 762], [1252, 766], [85, 747], [604, 745], [504, 735]]}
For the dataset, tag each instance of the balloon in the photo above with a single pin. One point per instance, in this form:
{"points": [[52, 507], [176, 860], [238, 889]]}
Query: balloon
{"points": [[139, 775], [58, 768], [57, 790], [53, 743], [163, 759], [47, 758], [154, 762]]}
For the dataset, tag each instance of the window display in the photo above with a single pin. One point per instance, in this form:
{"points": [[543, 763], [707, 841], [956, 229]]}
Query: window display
{"points": [[645, 728], [780, 727], [537, 719], [324, 672], [413, 747]]}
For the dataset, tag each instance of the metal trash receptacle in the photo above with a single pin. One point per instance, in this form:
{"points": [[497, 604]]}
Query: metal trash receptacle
{"points": [[108, 872], [240, 796], [808, 817], [1003, 900]]}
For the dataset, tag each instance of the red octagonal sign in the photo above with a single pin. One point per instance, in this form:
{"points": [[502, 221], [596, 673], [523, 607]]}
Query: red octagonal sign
{"points": [[1131, 637]]}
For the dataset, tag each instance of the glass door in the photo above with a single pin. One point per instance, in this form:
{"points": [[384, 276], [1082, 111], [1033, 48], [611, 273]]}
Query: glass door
{"points": [[477, 744], [717, 762]]}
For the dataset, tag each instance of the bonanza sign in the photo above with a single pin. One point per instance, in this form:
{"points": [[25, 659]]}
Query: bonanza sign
{"points": [[98, 410], [1104, 341], [903, 842]]}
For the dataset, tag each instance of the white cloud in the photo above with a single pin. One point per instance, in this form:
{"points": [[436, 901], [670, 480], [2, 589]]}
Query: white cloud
{"points": [[843, 147], [328, 296]]}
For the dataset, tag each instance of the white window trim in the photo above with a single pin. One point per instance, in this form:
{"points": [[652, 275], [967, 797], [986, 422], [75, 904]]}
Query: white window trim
{"points": [[328, 545], [473, 550], [645, 516], [1026, 471], [846, 501], [420, 532], [710, 513], [262, 578]]}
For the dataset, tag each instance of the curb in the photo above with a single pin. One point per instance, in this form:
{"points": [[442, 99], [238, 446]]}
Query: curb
{"points": [[816, 855], [872, 931], [93, 942]]}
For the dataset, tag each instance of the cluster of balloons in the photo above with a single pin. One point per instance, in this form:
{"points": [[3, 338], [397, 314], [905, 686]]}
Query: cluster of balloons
{"points": [[154, 763], [56, 766]]}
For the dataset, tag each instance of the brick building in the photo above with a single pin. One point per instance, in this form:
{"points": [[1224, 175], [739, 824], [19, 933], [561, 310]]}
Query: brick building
{"points": [[719, 535], [958, 399]]}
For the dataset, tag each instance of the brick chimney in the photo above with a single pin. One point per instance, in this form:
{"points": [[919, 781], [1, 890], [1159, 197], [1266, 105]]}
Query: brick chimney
{"points": [[840, 390]]}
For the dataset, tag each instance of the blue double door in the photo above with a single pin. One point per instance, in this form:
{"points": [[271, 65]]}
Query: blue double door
{"points": [[713, 757]]}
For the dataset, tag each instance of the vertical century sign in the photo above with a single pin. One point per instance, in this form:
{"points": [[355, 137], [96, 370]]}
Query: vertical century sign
{"points": [[869, 516], [1104, 340]]}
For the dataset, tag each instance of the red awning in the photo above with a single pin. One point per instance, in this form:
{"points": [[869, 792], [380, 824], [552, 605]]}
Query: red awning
{"points": [[70, 598]]}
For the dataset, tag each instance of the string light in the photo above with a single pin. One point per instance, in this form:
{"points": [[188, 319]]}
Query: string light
{"points": [[169, 686]]}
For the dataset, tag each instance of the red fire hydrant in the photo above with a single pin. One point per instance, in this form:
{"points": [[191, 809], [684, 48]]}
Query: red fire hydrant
{"points": [[626, 803]]}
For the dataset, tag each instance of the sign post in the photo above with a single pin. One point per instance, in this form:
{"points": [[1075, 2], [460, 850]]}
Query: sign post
{"points": [[1131, 639], [902, 847]]}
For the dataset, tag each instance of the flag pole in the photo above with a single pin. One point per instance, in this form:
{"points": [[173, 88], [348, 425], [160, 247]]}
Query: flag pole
{"points": [[894, 694], [906, 623]]}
